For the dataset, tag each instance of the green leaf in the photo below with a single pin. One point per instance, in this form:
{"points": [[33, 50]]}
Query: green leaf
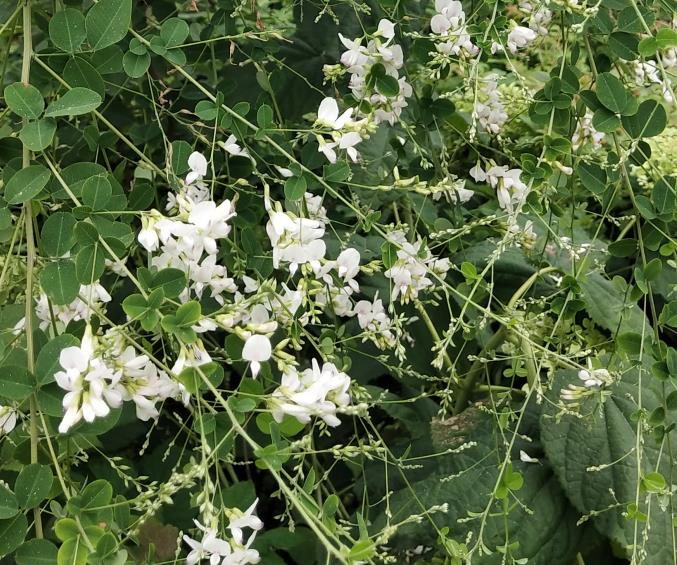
{"points": [[95, 495], [631, 343], [24, 100], [67, 30], [605, 121], [36, 552], [295, 188], [107, 22], [592, 176], [596, 464], [666, 38], [89, 264], [612, 93], [609, 306], [387, 86], [649, 121], [664, 195], [47, 362], [96, 192], [33, 485], [73, 551], [625, 45], [79, 73], [16, 383], [174, 32], [38, 134], [12, 533], [8, 504], [623, 248], [75, 102], [264, 116], [171, 281], [59, 282], [336, 172], [135, 65], [26, 183], [543, 525], [58, 233]]}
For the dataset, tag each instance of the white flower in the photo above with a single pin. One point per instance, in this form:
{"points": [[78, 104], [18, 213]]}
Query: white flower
{"points": [[295, 240], [595, 378], [7, 419], [231, 146], [520, 37], [525, 458], [89, 384], [372, 317], [211, 547], [90, 299], [348, 141], [314, 392], [386, 29], [198, 167], [328, 115], [239, 520], [256, 350]]}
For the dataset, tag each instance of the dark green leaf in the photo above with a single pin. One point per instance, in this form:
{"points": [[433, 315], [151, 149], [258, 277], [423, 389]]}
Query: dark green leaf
{"points": [[24, 100], [59, 282], [75, 102], [107, 22], [67, 29], [33, 485]]}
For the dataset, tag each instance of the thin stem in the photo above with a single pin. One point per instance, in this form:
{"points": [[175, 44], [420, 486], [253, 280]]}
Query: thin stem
{"points": [[30, 255]]}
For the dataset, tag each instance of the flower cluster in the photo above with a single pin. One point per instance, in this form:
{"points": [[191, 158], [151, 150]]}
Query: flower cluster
{"points": [[450, 26], [360, 60], [593, 381], [491, 113], [235, 551], [510, 190], [100, 376], [314, 392], [90, 299], [342, 130], [410, 271]]}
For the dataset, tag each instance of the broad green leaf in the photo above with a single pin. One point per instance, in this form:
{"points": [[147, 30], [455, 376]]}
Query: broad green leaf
{"points": [[664, 195], [387, 86], [58, 233], [107, 22], [605, 121], [89, 264], [336, 172], [12, 533], [73, 551], [171, 281], [649, 121], [79, 73], [108, 60], [612, 93], [135, 65], [595, 460], [625, 45], [592, 176], [75, 102], [295, 188], [8, 504], [24, 100], [67, 29], [544, 523], [59, 281], [38, 134], [609, 306], [96, 192], [47, 362], [174, 32], [33, 485], [16, 383], [36, 552], [96, 494], [666, 38], [26, 183]]}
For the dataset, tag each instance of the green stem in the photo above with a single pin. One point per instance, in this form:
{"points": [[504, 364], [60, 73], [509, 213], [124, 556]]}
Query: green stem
{"points": [[468, 384], [30, 255]]}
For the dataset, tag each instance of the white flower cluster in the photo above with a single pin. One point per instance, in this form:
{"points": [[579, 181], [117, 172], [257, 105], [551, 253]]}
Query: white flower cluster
{"points": [[518, 38], [510, 190], [449, 24], [295, 240], [593, 380], [220, 551], [314, 392], [409, 273], [539, 18], [98, 377], [188, 241], [359, 60], [371, 316], [491, 113], [90, 298], [339, 129]]}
